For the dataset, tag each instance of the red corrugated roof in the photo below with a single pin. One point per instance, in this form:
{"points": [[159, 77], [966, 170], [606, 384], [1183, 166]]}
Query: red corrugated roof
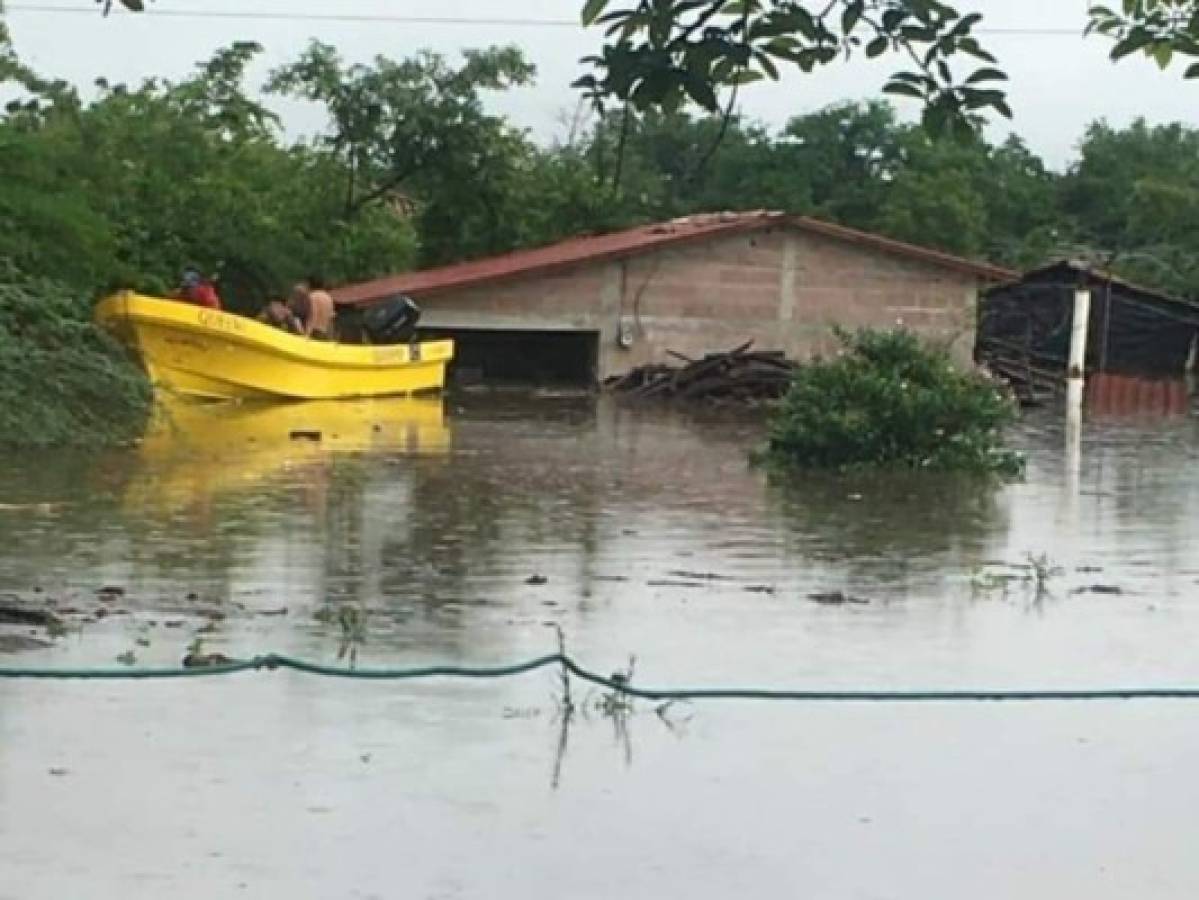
{"points": [[635, 241]]}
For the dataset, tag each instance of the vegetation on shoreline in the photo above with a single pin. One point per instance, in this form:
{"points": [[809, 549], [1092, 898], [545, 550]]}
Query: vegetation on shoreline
{"points": [[126, 186], [63, 381], [889, 401]]}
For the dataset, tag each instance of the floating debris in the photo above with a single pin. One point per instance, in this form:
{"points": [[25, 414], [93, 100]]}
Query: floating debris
{"points": [[837, 598], [1109, 589], [205, 660], [537, 580], [196, 658], [16, 612]]}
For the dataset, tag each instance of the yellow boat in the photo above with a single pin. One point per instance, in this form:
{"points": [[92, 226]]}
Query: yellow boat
{"points": [[205, 353]]}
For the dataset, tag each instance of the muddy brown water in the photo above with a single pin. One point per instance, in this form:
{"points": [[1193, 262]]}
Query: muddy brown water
{"points": [[252, 529]]}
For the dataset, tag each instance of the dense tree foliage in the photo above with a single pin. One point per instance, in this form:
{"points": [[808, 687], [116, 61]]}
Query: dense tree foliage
{"points": [[131, 185]]}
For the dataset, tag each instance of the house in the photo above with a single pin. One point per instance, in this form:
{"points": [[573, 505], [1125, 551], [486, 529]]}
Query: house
{"points": [[1024, 329], [591, 307]]}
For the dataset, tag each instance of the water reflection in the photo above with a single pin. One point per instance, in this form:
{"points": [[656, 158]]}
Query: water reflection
{"points": [[198, 452], [897, 525], [459, 534]]}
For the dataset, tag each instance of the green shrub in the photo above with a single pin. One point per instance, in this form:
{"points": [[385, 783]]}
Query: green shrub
{"points": [[890, 401], [63, 381]]}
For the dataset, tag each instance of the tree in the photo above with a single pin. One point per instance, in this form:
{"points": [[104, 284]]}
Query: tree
{"points": [[131, 187], [666, 52], [1134, 193], [848, 154], [415, 132], [1158, 29]]}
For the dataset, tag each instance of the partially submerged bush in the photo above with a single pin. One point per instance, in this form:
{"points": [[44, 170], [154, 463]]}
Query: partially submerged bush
{"points": [[63, 381], [890, 401]]}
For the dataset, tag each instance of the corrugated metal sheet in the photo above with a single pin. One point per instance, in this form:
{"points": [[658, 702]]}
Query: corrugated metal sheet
{"points": [[636, 241]]}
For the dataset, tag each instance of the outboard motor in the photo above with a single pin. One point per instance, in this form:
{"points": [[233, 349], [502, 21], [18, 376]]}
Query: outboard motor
{"points": [[391, 321]]}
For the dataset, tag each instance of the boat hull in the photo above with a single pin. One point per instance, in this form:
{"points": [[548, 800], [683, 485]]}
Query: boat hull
{"points": [[206, 353]]}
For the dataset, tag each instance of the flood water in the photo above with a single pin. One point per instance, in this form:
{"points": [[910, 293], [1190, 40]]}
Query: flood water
{"points": [[253, 528]]}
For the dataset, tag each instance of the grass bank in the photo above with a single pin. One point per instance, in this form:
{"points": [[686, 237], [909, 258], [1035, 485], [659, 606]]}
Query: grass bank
{"points": [[63, 381]]}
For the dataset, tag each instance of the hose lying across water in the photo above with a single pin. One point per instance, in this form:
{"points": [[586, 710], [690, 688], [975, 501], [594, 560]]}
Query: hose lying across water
{"points": [[274, 661]]}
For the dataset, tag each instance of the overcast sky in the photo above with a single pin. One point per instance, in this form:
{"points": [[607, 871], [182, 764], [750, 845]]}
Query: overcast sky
{"points": [[1060, 82]]}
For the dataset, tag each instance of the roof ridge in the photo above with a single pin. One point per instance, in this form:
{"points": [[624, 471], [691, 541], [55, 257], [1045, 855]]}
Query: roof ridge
{"points": [[583, 249]]}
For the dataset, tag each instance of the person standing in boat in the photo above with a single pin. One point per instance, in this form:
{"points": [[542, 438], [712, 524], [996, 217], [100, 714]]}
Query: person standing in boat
{"points": [[195, 288], [324, 313], [311, 304]]}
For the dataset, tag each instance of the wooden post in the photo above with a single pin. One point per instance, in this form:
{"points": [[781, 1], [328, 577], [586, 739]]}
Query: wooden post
{"points": [[1078, 334], [1075, 382]]}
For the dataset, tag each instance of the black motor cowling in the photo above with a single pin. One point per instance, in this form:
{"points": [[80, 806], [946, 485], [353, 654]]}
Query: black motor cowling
{"points": [[391, 321]]}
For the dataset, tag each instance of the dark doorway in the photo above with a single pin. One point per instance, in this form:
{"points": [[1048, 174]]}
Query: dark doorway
{"points": [[521, 357]]}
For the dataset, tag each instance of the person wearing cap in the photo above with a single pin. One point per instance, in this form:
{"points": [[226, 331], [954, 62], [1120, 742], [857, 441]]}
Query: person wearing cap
{"points": [[195, 288]]}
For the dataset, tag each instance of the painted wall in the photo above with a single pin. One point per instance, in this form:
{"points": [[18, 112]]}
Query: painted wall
{"points": [[783, 288]]}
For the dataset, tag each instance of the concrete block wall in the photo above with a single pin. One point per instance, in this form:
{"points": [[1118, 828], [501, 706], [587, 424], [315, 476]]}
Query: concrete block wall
{"points": [[783, 288]]}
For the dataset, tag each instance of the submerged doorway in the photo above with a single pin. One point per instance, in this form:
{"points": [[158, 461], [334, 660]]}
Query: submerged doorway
{"points": [[521, 357]]}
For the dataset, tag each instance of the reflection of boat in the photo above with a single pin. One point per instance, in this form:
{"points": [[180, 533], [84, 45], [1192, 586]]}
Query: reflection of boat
{"points": [[189, 427], [212, 354], [195, 450]]}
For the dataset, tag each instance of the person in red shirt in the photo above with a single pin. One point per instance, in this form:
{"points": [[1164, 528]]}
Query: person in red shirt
{"points": [[197, 289]]}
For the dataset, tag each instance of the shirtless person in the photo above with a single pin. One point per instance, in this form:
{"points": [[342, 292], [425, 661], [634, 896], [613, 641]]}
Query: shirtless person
{"points": [[313, 306]]}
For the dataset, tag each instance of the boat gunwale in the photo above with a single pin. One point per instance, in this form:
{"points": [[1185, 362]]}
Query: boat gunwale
{"points": [[136, 310]]}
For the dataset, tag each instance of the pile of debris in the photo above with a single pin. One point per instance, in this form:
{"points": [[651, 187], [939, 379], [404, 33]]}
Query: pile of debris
{"points": [[736, 376]]}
